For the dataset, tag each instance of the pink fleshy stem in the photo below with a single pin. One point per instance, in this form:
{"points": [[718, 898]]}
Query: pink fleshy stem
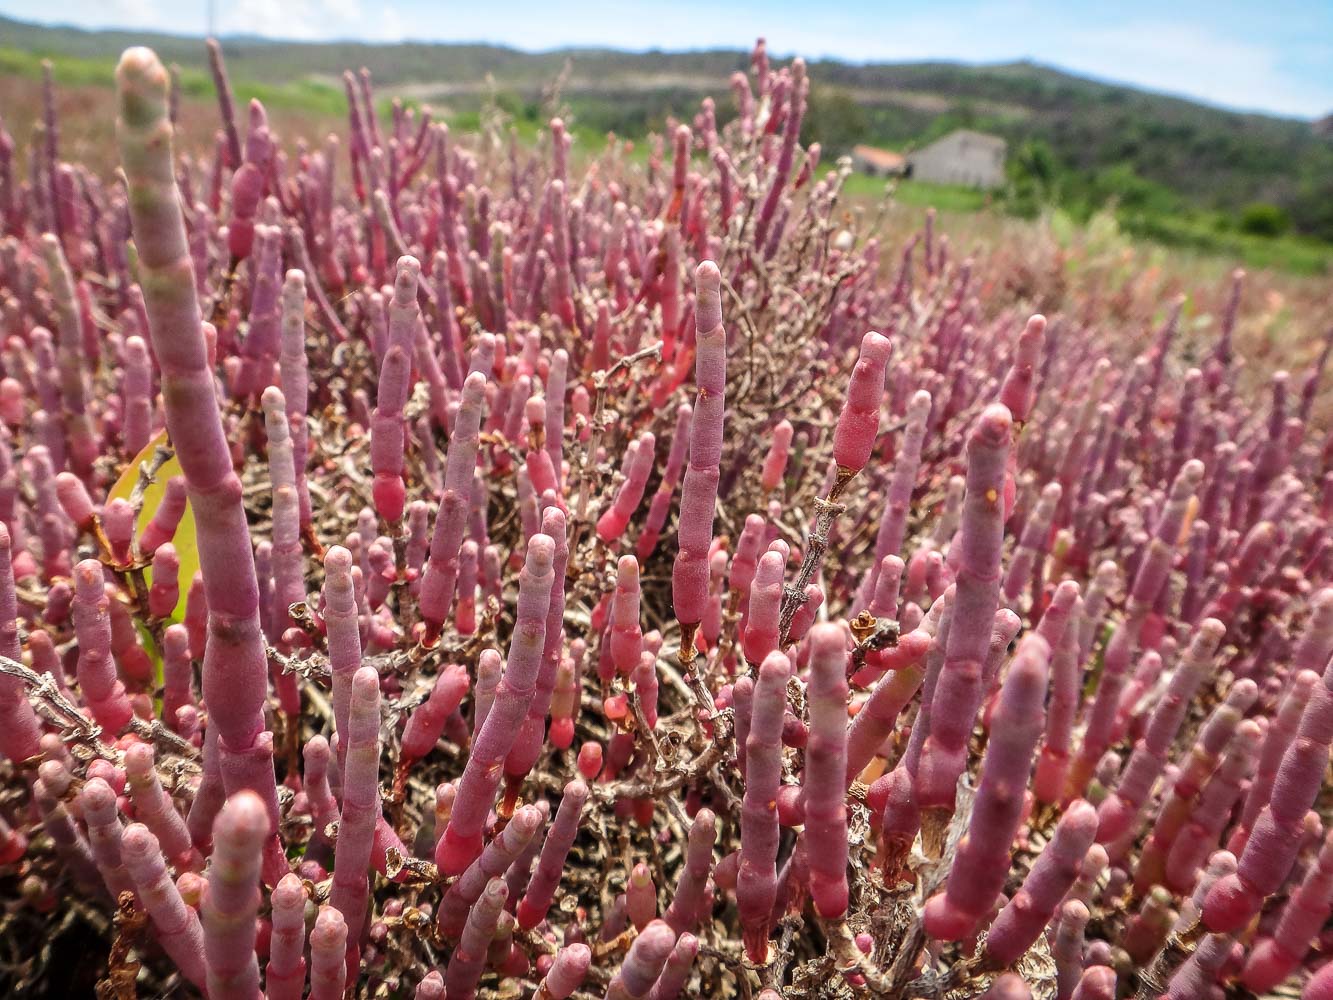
{"points": [[388, 439], [756, 884], [426, 722], [175, 924], [1148, 583], [288, 558], [1021, 921], [763, 626], [897, 505], [317, 756], [640, 896], [1033, 545], [247, 185], [689, 574], [527, 747], [1146, 931], [342, 624], [161, 527], [1010, 986], [493, 862], [853, 439], [231, 905], [469, 957], [775, 462], [441, 571], [555, 410], [154, 808], [795, 111], [490, 667], [20, 729], [1316, 642], [1196, 977], [560, 836], [1048, 783], [1211, 810], [1177, 801], [1121, 810], [235, 664], [462, 840], [260, 350], [825, 767], [137, 391], [105, 835], [626, 634], [1097, 983], [1274, 958], [75, 501], [565, 705], [658, 507], [938, 622], [682, 914], [958, 692], [1272, 846], [976, 876], [612, 524], [1067, 947], [102, 690], [177, 672], [1320, 985], [568, 970], [164, 591], [328, 949], [284, 976], [878, 714], [643, 963], [295, 381], [1281, 731], [226, 103], [431, 987], [1019, 388], [71, 359], [361, 808], [676, 973]]}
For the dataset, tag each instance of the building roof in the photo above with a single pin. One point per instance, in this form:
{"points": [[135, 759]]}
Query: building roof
{"points": [[980, 138], [884, 159]]}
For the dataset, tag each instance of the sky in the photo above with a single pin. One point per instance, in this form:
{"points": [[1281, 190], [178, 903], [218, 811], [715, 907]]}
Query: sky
{"points": [[1274, 55]]}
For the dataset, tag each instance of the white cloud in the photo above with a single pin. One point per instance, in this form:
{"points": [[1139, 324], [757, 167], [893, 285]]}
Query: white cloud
{"points": [[138, 13], [1193, 60], [311, 20]]}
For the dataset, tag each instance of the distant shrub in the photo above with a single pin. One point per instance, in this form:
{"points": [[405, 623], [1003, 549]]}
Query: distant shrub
{"points": [[1262, 219]]}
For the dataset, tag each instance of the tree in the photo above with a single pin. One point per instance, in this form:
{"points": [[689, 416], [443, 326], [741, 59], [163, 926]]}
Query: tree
{"points": [[834, 120], [1032, 172]]}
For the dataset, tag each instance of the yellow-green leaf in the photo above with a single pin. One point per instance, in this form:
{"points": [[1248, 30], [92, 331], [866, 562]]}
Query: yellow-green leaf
{"points": [[187, 547]]}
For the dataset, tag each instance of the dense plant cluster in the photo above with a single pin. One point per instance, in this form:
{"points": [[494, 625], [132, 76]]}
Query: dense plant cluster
{"points": [[500, 577]]}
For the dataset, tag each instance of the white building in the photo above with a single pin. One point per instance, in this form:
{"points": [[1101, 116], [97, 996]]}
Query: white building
{"points": [[964, 157]]}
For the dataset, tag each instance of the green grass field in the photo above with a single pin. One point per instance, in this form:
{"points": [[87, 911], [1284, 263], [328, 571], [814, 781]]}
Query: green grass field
{"points": [[305, 95]]}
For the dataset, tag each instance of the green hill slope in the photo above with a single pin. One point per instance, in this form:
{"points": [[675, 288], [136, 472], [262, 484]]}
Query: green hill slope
{"points": [[1085, 140]]}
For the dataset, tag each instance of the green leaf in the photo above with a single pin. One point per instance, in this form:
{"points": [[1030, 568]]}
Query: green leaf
{"points": [[187, 545]]}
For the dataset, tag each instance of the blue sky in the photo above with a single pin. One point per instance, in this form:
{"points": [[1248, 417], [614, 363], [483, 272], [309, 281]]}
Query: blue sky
{"points": [[1275, 55]]}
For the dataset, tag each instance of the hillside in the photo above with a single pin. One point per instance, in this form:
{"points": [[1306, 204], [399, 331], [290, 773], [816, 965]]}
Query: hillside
{"points": [[1087, 141]]}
